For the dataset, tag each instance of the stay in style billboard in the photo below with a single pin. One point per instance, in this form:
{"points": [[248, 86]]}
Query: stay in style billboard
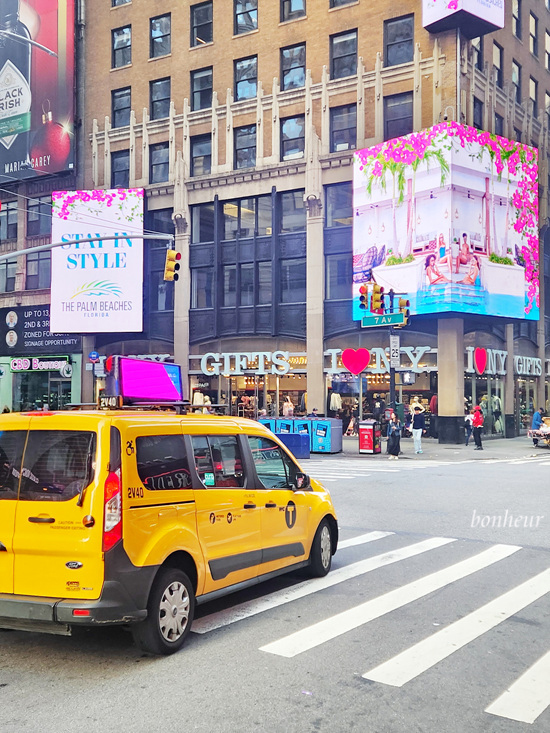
{"points": [[448, 219], [97, 287], [36, 88]]}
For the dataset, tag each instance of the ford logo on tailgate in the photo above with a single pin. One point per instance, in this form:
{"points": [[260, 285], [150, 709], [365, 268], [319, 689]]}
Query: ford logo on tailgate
{"points": [[73, 565]]}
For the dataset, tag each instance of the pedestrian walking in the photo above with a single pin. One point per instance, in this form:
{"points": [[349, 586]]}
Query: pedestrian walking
{"points": [[418, 429], [477, 427], [535, 425], [468, 419], [394, 436]]}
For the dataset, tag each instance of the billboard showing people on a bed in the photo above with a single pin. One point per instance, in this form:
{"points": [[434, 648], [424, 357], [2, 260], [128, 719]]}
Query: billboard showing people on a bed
{"points": [[447, 218]]}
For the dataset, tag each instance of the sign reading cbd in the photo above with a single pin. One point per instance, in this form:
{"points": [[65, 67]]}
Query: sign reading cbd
{"points": [[97, 287]]}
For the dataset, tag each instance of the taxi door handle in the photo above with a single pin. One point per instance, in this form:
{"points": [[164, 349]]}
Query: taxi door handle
{"points": [[270, 505], [250, 506], [3, 547], [42, 520]]}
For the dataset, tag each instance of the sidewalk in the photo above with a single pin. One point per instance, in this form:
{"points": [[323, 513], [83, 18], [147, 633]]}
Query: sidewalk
{"points": [[495, 448]]}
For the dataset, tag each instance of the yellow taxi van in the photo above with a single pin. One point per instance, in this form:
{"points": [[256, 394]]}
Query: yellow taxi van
{"points": [[133, 517]]}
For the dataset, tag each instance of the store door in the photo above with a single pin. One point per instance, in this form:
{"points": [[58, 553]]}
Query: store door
{"points": [[60, 393]]}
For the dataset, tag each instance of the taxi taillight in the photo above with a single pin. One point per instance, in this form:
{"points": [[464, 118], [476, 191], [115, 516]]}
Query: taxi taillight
{"points": [[112, 523]]}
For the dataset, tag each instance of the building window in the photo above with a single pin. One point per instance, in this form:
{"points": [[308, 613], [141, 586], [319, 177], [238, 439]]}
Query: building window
{"points": [[292, 9], [293, 281], [533, 96], [201, 24], [39, 270], [120, 169], [116, 3], [202, 223], [161, 293], [39, 216], [201, 155], [160, 43], [159, 98], [121, 105], [398, 115], [547, 50], [246, 285], [338, 276], [499, 124], [202, 287], [478, 113], [337, 3], [245, 146], [121, 47], [398, 40], [8, 220], [343, 55], [246, 16], [343, 128], [547, 107], [533, 34], [517, 134], [229, 286], [293, 212], [293, 67], [201, 89], [158, 162], [339, 204], [477, 51], [7, 276], [497, 64], [293, 137], [516, 82], [516, 18], [265, 289], [246, 78], [239, 217]]}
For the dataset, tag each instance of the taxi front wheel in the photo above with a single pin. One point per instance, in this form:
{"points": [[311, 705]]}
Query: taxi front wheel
{"points": [[170, 614], [320, 558]]}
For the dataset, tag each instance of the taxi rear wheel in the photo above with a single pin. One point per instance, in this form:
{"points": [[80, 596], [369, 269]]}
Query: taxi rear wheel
{"points": [[320, 558], [170, 614]]}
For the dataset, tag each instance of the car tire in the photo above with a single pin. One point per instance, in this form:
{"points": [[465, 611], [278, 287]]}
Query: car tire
{"points": [[170, 613], [320, 557]]}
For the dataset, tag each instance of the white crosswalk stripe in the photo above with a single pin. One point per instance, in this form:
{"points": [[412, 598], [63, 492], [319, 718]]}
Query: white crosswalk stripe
{"points": [[528, 697]]}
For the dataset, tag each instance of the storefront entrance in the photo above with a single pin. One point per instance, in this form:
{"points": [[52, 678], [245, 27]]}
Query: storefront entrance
{"points": [[488, 392], [34, 390]]}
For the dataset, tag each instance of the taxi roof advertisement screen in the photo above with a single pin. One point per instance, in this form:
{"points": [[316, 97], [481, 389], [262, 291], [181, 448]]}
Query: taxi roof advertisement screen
{"points": [[36, 88], [448, 219]]}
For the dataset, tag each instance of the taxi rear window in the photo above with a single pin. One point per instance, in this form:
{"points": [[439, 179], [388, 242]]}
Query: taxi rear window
{"points": [[57, 465], [162, 462], [218, 460]]}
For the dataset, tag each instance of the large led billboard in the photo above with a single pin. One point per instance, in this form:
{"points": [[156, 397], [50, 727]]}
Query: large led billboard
{"points": [[447, 218], [97, 287], [36, 88], [473, 17]]}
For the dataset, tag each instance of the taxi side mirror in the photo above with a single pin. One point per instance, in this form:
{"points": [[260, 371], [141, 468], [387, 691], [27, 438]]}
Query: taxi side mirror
{"points": [[302, 480]]}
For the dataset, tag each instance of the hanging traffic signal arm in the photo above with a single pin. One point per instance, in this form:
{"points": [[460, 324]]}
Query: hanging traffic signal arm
{"points": [[172, 265]]}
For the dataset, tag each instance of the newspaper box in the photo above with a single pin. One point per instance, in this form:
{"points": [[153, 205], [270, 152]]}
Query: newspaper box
{"points": [[370, 436]]}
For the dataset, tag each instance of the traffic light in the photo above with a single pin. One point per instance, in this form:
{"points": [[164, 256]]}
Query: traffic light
{"points": [[172, 265], [404, 305], [377, 300], [364, 296]]}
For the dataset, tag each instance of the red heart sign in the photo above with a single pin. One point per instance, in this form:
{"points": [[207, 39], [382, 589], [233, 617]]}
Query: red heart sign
{"points": [[355, 360], [480, 360]]}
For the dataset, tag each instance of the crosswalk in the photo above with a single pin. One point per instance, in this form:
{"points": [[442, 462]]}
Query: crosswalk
{"points": [[525, 700], [334, 469]]}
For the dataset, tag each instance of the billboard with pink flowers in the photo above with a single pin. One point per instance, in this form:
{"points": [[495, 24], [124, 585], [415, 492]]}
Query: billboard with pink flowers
{"points": [[448, 219]]}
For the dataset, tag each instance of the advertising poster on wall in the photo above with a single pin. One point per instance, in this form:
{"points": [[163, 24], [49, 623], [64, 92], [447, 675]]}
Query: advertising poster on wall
{"points": [[473, 17], [448, 219], [97, 287], [25, 330], [36, 87]]}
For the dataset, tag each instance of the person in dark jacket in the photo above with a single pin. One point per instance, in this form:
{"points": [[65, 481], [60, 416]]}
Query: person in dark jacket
{"points": [[418, 429], [394, 436]]}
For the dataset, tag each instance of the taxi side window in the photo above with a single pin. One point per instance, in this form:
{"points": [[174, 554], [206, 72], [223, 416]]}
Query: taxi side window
{"points": [[162, 462], [273, 466], [218, 460], [12, 443], [58, 464]]}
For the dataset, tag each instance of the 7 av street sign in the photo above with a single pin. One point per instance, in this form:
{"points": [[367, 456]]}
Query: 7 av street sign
{"points": [[375, 319]]}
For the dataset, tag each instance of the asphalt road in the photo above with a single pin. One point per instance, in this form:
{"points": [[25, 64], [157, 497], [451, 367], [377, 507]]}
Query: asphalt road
{"points": [[430, 621]]}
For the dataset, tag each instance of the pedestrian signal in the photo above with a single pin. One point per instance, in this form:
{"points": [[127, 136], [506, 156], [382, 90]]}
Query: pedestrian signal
{"points": [[172, 265], [377, 300], [404, 305], [364, 296]]}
